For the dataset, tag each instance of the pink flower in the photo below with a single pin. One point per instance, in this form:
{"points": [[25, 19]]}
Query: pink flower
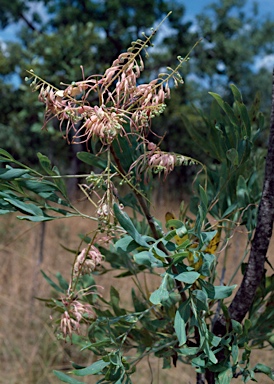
{"points": [[75, 313], [87, 260]]}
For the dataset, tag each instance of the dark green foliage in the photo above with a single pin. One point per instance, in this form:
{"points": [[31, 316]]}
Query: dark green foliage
{"points": [[176, 321], [50, 46]]}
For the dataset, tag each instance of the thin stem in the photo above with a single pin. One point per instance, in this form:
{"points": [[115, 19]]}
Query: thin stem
{"points": [[142, 47], [152, 225]]}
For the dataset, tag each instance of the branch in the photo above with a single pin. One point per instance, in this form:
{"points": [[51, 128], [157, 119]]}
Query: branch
{"points": [[29, 24], [255, 268], [152, 226], [242, 302]]}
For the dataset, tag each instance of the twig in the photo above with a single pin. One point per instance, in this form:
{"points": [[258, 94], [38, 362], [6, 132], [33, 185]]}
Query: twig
{"points": [[151, 224]]}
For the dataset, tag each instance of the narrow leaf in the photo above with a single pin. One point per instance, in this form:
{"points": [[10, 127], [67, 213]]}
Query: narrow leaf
{"points": [[25, 207], [93, 369], [37, 219], [12, 173], [7, 156], [66, 379], [45, 163], [264, 369], [236, 93], [203, 196], [91, 159], [226, 108], [180, 328], [52, 283], [128, 225]]}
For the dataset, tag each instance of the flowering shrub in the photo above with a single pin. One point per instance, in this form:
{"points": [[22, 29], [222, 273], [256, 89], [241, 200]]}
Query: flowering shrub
{"points": [[112, 114]]}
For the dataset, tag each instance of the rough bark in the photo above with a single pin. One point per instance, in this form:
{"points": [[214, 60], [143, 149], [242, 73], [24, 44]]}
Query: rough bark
{"points": [[240, 305], [255, 268]]}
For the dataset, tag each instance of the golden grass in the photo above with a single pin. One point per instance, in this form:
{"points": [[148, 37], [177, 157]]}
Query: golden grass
{"points": [[29, 350]]}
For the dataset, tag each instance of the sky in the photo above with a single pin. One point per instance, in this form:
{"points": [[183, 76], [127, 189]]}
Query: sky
{"points": [[266, 7], [192, 8]]}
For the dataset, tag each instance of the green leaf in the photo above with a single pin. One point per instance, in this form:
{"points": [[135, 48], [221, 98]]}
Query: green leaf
{"points": [[191, 351], [38, 185], [156, 249], [91, 159], [264, 369], [230, 209], [92, 369], [59, 182], [128, 225], [208, 262], [206, 237], [126, 244], [126, 151], [147, 258], [12, 173], [203, 196], [232, 156], [161, 294], [235, 353], [217, 292], [245, 119], [62, 282], [175, 224], [180, 328], [52, 283], [66, 379], [201, 299], [45, 164], [222, 292], [37, 219], [7, 156], [198, 362], [226, 108], [242, 191], [237, 327], [225, 377], [114, 302], [98, 344], [247, 326], [5, 211], [188, 277], [236, 93], [25, 207]]}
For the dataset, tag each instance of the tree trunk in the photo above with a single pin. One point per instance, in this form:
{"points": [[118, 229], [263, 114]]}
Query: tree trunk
{"points": [[254, 272]]}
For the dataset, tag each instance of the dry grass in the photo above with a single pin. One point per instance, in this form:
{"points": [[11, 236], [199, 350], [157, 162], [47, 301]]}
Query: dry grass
{"points": [[29, 350]]}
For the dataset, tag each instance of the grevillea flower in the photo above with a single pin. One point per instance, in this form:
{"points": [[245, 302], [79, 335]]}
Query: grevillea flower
{"points": [[120, 101], [74, 314], [87, 260], [158, 161], [103, 123]]}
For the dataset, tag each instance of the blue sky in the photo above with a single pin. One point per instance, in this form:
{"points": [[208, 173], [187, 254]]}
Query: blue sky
{"points": [[266, 7], [193, 7]]}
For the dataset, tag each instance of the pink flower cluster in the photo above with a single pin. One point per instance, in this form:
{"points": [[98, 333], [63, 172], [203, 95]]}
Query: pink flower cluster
{"points": [[76, 313], [120, 101], [158, 161], [87, 260]]}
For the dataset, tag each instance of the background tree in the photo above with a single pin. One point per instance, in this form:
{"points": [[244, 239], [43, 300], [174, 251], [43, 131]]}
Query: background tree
{"points": [[56, 37], [179, 320]]}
